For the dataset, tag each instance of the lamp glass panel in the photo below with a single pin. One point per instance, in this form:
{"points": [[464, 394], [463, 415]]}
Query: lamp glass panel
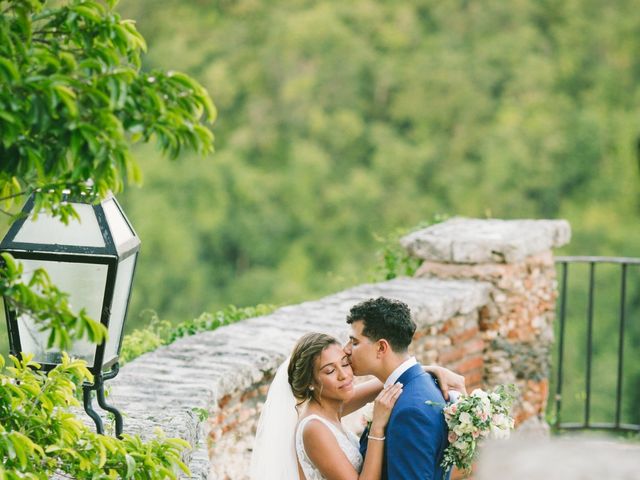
{"points": [[124, 278], [118, 225], [45, 229], [85, 284]]}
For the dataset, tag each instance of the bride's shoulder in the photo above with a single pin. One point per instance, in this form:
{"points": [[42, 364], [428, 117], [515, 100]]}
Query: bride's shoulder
{"points": [[315, 431], [312, 424], [310, 418]]}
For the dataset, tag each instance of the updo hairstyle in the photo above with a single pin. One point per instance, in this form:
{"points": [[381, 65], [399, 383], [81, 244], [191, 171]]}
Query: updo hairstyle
{"points": [[301, 364]]}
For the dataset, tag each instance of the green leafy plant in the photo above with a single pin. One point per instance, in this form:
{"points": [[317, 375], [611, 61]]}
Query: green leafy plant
{"points": [[394, 261], [40, 435], [73, 99], [42, 301]]}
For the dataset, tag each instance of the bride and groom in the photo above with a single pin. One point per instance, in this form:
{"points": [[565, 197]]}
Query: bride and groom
{"points": [[300, 435]]}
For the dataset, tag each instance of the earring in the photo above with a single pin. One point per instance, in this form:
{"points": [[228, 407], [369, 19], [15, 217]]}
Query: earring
{"points": [[311, 388]]}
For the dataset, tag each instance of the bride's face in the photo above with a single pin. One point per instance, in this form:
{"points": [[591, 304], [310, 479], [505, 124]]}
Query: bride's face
{"points": [[333, 374]]}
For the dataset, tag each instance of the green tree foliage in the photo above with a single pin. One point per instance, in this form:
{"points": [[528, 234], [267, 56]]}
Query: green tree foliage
{"points": [[73, 99]]}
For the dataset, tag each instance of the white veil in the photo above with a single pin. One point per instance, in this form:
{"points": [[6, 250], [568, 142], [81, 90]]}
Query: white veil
{"points": [[274, 451]]}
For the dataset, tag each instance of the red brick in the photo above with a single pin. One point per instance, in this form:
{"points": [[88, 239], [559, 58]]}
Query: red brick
{"points": [[450, 355], [224, 401], [474, 346], [465, 335], [251, 393], [419, 334], [473, 379], [469, 364]]}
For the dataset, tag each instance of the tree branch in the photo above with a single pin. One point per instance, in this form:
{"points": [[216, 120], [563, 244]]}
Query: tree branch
{"points": [[14, 195]]}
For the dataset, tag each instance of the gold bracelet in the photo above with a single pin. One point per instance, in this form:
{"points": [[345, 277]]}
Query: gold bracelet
{"points": [[376, 438]]}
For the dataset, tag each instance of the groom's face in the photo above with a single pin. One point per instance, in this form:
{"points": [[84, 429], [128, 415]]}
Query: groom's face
{"points": [[362, 350]]}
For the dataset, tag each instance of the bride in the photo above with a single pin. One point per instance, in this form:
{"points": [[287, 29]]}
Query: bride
{"points": [[300, 435]]}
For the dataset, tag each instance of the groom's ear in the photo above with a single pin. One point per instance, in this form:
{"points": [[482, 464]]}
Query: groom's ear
{"points": [[383, 347]]}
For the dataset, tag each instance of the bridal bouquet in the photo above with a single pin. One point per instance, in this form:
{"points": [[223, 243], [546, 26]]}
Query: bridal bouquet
{"points": [[475, 417]]}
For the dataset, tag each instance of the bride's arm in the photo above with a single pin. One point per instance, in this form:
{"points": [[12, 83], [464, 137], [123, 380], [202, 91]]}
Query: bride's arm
{"points": [[366, 392], [329, 459]]}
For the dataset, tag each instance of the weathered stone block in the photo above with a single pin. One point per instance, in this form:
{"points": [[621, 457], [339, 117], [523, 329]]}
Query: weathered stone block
{"points": [[473, 241]]}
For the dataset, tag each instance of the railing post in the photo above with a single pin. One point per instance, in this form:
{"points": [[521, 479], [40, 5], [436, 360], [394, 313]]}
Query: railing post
{"points": [[563, 317], [623, 295]]}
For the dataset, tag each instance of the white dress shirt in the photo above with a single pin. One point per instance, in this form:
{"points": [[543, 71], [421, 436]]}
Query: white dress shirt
{"points": [[403, 367]]}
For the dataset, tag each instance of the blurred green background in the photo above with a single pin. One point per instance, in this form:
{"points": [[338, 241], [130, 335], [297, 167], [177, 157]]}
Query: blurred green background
{"points": [[340, 122]]}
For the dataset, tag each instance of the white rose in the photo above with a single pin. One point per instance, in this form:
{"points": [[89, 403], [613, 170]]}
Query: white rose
{"points": [[501, 421], [460, 444], [462, 428], [465, 418], [478, 392]]}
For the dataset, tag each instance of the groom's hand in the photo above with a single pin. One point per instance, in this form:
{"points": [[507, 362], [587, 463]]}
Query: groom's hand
{"points": [[447, 380]]}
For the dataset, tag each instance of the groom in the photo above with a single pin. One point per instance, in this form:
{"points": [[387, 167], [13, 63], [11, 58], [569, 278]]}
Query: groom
{"points": [[416, 435]]}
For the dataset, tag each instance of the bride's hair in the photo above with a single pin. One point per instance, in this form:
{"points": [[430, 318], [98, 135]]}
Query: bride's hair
{"points": [[308, 348]]}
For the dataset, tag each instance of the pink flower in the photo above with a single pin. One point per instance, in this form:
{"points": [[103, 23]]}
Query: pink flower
{"points": [[452, 437], [453, 409], [475, 434]]}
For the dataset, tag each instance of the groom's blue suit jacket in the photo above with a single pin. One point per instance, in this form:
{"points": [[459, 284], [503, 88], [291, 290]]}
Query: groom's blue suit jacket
{"points": [[416, 432]]}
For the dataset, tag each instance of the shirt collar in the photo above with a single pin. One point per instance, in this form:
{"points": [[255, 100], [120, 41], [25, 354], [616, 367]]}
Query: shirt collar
{"points": [[403, 367]]}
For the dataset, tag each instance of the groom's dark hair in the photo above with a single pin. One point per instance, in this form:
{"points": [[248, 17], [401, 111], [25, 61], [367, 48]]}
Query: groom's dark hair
{"points": [[385, 318]]}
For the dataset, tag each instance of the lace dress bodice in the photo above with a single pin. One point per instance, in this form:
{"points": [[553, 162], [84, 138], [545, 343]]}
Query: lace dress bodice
{"points": [[347, 441]]}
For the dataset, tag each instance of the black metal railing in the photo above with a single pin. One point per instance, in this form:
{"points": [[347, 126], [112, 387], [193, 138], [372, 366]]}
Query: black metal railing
{"points": [[620, 300]]}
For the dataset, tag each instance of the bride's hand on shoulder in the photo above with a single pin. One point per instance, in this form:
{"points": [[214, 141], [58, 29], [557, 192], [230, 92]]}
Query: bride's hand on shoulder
{"points": [[447, 379], [382, 407]]}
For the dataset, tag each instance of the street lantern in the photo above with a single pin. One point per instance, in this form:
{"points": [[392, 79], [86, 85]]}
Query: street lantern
{"points": [[92, 260]]}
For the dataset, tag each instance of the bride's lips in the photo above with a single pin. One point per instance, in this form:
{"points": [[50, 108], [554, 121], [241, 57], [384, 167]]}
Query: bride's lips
{"points": [[347, 385]]}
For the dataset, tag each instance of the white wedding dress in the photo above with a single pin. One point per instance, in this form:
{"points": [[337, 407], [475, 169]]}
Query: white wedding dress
{"points": [[279, 441], [347, 441]]}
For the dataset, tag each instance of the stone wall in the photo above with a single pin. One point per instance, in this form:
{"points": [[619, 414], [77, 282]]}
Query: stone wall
{"points": [[516, 325], [489, 320]]}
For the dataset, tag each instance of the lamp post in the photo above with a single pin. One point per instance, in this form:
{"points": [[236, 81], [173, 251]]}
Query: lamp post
{"points": [[92, 260]]}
